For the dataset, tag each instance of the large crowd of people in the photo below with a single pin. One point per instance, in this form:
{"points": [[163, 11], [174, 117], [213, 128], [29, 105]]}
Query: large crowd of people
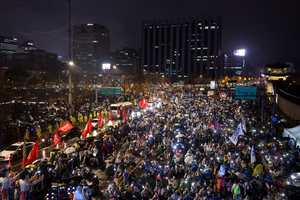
{"points": [[179, 147]]}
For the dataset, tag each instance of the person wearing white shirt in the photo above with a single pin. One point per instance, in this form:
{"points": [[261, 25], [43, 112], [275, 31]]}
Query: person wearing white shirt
{"points": [[6, 183], [25, 184]]}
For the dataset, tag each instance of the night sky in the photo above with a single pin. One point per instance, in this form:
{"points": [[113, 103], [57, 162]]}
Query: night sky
{"points": [[269, 30]]}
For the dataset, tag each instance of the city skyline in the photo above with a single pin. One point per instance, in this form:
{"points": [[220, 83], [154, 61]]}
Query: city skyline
{"points": [[267, 30]]}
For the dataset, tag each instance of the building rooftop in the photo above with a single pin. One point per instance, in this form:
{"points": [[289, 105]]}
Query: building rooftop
{"points": [[277, 65]]}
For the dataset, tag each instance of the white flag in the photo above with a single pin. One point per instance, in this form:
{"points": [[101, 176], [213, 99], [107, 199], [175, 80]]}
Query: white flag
{"points": [[222, 171], [243, 121], [253, 159], [239, 131], [176, 100]]}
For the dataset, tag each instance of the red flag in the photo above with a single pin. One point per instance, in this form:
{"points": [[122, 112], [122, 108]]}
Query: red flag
{"points": [[66, 127], [56, 139], [132, 105], [110, 116], [33, 153], [9, 164], [101, 123], [143, 103], [210, 125], [100, 117], [63, 144], [124, 113], [113, 122], [88, 128], [118, 112]]}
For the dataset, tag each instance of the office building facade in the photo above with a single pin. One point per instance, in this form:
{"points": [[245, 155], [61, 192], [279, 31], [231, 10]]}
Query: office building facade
{"points": [[125, 61], [181, 47], [234, 65], [91, 47], [8, 45]]}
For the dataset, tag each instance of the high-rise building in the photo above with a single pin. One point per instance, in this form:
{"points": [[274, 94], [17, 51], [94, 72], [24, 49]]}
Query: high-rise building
{"points": [[91, 47], [8, 45], [181, 47], [234, 65], [125, 61]]}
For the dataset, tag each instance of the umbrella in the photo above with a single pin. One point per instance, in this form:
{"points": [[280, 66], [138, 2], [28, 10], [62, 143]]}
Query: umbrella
{"points": [[70, 150], [188, 159], [54, 149], [30, 166], [257, 182], [2, 175], [44, 159], [96, 141], [179, 135], [82, 149], [240, 175], [283, 120], [77, 177], [36, 161], [295, 175], [88, 151]]}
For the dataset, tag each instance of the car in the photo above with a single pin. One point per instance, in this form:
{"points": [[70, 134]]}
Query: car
{"points": [[14, 151], [94, 122]]}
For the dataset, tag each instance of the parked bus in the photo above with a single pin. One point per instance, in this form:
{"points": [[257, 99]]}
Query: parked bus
{"points": [[121, 105]]}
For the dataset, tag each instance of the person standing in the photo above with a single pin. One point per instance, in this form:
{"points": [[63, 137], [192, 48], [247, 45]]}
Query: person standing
{"points": [[25, 184], [6, 184], [126, 176], [236, 190]]}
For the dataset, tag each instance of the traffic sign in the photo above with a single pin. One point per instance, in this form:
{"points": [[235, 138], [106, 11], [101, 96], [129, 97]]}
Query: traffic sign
{"points": [[245, 92], [223, 95], [111, 90], [274, 119]]}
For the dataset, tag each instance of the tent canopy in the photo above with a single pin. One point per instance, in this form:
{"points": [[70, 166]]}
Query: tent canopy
{"points": [[293, 133]]}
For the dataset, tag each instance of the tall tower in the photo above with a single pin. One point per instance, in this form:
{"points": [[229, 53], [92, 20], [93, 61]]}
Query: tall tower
{"points": [[91, 47]]}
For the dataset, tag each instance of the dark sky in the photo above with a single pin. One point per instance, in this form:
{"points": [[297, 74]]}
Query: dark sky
{"points": [[269, 30]]}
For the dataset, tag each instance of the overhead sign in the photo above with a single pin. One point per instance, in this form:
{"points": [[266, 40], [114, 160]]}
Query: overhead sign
{"points": [[223, 95], [212, 85], [245, 92], [111, 90], [239, 52], [274, 119]]}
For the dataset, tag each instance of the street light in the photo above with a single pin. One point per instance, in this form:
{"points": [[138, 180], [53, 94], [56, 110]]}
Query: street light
{"points": [[115, 67], [70, 85]]}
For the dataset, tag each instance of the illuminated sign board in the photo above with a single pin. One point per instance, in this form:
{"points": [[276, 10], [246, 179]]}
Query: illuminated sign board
{"points": [[106, 66], [245, 92], [239, 52], [212, 85]]}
